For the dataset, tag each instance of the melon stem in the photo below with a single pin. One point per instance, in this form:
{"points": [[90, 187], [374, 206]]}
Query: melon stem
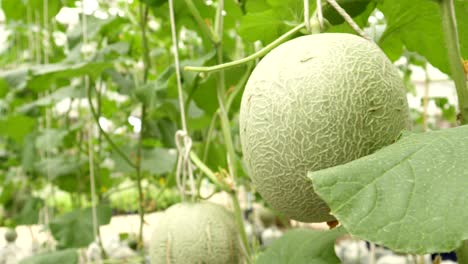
{"points": [[254, 56], [449, 27], [226, 129]]}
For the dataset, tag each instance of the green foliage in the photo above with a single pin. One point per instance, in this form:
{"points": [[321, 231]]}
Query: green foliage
{"points": [[158, 161], [17, 127], [50, 138], [125, 198], [19, 10], [410, 196], [42, 76], [75, 229], [57, 166], [267, 20], [407, 19], [352, 7], [29, 214], [302, 246]]}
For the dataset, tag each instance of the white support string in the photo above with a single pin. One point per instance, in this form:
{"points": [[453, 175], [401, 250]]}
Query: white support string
{"points": [[184, 166], [182, 138], [177, 65], [306, 16], [90, 137], [320, 14], [348, 18]]}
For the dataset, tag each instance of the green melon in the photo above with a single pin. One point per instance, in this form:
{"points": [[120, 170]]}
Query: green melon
{"points": [[11, 235], [315, 102], [195, 233]]}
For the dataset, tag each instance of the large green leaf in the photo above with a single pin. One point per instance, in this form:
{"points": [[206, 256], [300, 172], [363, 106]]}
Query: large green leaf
{"points": [[75, 229], [29, 214], [159, 160], [417, 24], [113, 51], [16, 78], [352, 7], [50, 138], [29, 153], [265, 26], [44, 75], [61, 165], [17, 127], [41, 77], [207, 12], [147, 92], [361, 18], [204, 94], [3, 87], [124, 83], [54, 97], [410, 196], [303, 246], [93, 27], [69, 256], [267, 20], [19, 10]]}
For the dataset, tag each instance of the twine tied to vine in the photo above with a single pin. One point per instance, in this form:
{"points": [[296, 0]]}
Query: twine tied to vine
{"points": [[182, 137], [184, 165]]}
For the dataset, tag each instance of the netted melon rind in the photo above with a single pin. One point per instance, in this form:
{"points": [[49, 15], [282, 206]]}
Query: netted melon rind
{"points": [[11, 235], [315, 102], [196, 233]]}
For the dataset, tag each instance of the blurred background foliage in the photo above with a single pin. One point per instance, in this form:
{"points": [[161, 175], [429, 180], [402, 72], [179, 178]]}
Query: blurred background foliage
{"points": [[125, 58]]}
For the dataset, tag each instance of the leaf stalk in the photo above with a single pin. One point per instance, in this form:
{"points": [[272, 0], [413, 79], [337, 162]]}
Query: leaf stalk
{"points": [[449, 27]]}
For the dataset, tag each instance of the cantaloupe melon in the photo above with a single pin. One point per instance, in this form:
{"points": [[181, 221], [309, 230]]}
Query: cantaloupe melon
{"points": [[315, 102], [10, 235], [198, 233]]}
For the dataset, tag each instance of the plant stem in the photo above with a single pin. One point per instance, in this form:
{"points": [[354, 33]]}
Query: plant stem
{"points": [[462, 253], [209, 173], [141, 211], [38, 37], [238, 87], [254, 56], [94, 201], [206, 149], [306, 15], [104, 133], [240, 224], [147, 65], [146, 57], [92, 179], [427, 82], [209, 135], [208, 31], [229, 102], [348, 19], [226, 129], [318, 13], [449, 27], [99, 138], [45, 15]]}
